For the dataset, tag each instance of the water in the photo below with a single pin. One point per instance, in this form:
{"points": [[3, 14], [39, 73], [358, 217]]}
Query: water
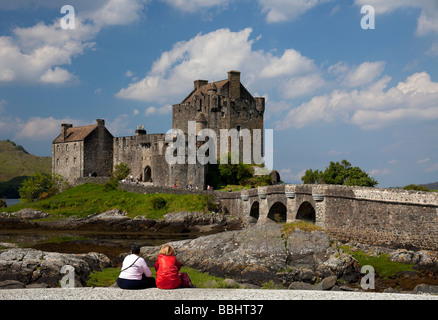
{"points": [[111, 244], [11, 202]]}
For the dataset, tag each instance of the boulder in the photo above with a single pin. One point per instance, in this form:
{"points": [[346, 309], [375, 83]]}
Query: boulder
{"points": [[327, 283], [298, 285], [30, 214], [34, 266], [11, 284], [426, 288]]}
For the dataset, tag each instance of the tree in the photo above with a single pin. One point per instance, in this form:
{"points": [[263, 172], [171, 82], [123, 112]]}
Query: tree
{"points": [[120, 172], [341, 174], [312, 177], [233, 173], [41, 186]]}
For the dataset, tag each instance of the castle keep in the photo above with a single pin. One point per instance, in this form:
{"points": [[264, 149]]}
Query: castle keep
{"points": [[92, 151]]}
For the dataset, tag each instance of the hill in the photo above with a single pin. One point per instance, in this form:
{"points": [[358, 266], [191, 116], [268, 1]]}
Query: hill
{"points": [[431, 186], [16, 164]]}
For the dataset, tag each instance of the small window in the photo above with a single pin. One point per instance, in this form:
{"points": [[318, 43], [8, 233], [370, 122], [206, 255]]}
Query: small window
{"points": [[66, 160], [57, 162], [58, 148], [74, 146], [66, 147], [74, 159]]}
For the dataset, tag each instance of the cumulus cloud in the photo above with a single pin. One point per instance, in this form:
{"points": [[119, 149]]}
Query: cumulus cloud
{"points": [[40, 53], [371, 107], [195, 5], [206, 57], [284, 10]]}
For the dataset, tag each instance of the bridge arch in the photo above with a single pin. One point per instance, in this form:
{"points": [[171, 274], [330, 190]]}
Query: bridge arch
{"points": [[255, 211], [306, 212], [278, 212]]}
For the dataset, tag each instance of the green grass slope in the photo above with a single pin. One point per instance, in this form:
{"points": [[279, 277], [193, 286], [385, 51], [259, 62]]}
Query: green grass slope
{"points": [[16, 164]]}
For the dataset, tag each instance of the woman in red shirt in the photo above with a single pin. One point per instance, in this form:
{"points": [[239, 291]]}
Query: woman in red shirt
{"points": [[167, 267]]}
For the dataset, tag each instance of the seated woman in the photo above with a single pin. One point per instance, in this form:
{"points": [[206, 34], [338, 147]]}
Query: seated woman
{"points": [[135, 273], [167, 267]]}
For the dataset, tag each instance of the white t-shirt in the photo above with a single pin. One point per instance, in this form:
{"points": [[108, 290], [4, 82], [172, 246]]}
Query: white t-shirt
{"points": [[135, 272]]}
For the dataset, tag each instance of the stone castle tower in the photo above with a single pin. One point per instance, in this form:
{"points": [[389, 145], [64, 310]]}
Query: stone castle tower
{"points": [[92, 151]]}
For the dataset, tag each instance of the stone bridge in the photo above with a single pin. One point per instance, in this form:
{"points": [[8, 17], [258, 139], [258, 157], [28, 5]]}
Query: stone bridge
{"points": [[391, 217]]}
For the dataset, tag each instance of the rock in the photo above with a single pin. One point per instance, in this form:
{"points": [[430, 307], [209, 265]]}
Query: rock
{"points": [[257, 254], [230, 283], [30, 214], [3, 204], [391, 290], [8, 245], [342, 265], [425, 288], [34, 266], [11, 284], [114, 214], [307, 248], [298, 285], [248, 286], [419, 258], [327, 283]]}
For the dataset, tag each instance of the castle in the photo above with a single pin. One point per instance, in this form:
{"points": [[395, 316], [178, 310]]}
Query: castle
{"points": [[92, 151]]}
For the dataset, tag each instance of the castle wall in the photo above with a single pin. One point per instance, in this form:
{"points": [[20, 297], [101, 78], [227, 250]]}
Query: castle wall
{"points": [[98, 153], [67, 160]]}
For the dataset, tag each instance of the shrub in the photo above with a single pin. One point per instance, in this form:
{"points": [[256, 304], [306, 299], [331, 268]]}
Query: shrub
{"points": [[158, 203]]}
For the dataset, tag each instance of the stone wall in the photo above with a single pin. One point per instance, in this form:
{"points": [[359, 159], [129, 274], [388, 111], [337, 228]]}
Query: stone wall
{"points": [[397, 218]]}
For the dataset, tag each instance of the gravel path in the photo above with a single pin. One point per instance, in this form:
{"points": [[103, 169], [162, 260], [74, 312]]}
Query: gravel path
{"points": [[199, 294]]}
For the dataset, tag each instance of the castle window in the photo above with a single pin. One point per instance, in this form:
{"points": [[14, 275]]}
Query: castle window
{"points": [[238, 128], [57, 162], [74, 159], [58, 148], [66, 147], [74, 146], [66, 160]]}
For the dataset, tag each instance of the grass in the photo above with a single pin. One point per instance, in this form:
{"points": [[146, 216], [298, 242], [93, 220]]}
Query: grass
{"points": [[383, 266], [287, 228], [87, 199], [108, 276]]}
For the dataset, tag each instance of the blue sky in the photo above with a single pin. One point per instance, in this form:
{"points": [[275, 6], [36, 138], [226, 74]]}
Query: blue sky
{"points": [[334, 90]]}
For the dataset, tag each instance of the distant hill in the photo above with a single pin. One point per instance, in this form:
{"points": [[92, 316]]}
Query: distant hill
{"points": [[431, 186], [16, 164]]}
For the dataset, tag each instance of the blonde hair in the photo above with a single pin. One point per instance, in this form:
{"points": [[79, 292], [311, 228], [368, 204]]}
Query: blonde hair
{"points": [[167, 250]]}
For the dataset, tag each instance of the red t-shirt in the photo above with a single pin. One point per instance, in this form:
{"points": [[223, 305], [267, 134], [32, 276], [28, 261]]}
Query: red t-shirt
{"points": [[167, 272]]}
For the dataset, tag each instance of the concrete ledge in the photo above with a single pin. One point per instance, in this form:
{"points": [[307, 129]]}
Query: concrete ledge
{"points": [[199, 294]]}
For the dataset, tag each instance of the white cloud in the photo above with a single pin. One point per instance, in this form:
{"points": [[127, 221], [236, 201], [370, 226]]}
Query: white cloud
{"points": [[289, 176], [38, 128], [285, 10], [39, 54], [58, 75], [416, 99], [195, 5], [423, 160], [167, 109], [364, 74], [379, 172], [206, 57]]}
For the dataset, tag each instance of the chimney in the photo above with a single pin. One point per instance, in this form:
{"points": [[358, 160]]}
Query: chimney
{"points": [[64, 128], [200, 83], [100, 122], [234, 87]]}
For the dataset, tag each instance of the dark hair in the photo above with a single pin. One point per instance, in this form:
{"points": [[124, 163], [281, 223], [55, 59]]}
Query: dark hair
{"points": [[135, 248]]}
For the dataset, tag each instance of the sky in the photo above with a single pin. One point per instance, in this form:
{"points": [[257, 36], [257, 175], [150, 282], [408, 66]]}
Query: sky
{"points": [[342, 79]]}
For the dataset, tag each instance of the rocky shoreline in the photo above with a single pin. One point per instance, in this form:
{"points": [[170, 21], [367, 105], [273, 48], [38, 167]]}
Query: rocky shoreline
{"points": [[253, 256]]}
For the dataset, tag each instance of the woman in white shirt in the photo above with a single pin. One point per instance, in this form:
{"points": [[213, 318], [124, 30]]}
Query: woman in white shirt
{"points": [[135, 273]]}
